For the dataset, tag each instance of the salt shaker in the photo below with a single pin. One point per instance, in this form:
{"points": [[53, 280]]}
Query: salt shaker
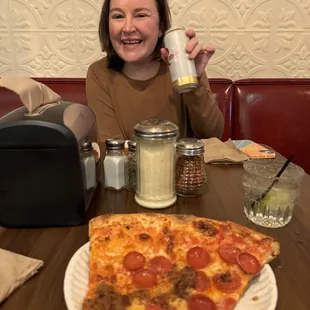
{"points": [[190, 167], [114, 164], [156, 141], [88, 165], [131, 167]]}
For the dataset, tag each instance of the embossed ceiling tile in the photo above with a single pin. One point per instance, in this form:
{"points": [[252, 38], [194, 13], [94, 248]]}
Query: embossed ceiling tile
{"points": [[208, 16], [4, 18], [24, 16], [6, 70], [27, 45], [5, 48], [284, 45], [277, 15], [176, 6], [238, 63], [87, 15], [214, 23], [214, 71], [89, 46], [62, 16], [6, 55], [43, 7], [305, 4], [272, 72], [45, 64], [271, 46], [3, 21], [64, 45], [298, 65], [96, 3], [245, 7]]}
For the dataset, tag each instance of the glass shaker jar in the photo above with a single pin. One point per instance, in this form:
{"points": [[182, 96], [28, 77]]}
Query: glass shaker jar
{"points": [[114, 164], [156, 141], [190, 167], [88, 166], [131, 167]]}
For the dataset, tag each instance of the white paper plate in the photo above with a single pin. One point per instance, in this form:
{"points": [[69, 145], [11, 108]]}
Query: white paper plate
{"points": [[263, 288]]}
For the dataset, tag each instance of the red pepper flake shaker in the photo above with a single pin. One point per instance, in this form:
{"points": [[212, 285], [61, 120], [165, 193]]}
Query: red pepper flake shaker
{"points": [[191, 174]]}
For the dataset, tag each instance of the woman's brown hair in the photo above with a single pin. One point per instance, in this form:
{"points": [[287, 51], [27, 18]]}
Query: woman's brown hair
{"points": [[114, 61]]}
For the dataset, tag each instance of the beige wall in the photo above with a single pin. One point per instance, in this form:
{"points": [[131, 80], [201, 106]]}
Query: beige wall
{"points": [[254, 38]]}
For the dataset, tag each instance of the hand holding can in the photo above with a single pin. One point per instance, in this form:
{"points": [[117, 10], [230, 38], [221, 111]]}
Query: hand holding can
{"points": [[182, 69], [191, 61]]}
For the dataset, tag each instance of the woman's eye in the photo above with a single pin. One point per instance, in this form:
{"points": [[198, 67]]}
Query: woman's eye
{"points": [[117, 16], [141, 15]]}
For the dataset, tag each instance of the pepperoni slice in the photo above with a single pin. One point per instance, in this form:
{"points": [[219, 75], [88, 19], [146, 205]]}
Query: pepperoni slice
{"points": [[200, 302], [144, 278], [197, 257], [133, 260], [248, 263], [160, 264], [153, 307], [227, 303], [228, 252], [202, 282], [227, 282]]}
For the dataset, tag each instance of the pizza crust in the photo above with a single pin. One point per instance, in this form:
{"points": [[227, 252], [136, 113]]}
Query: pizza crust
{"points": [[245, 231]]}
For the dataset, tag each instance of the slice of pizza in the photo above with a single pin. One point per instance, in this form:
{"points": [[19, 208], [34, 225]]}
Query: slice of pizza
{"points": [[150, 261]]}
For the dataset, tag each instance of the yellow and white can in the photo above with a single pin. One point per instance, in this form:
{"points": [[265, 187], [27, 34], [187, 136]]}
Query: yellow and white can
{"points": [[182, 69]]}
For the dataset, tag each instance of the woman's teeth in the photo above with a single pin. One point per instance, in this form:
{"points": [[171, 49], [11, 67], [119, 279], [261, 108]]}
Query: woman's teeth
{"points": [[132, 42]]}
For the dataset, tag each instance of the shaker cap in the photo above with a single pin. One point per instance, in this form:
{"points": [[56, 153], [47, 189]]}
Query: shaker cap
{"points": [[87, 146], [156, 129], [190, 147], [132, 145], [115, 144]]}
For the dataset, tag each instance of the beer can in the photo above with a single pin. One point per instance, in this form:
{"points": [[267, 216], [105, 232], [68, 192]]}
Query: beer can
{"points": [[182, 69]]}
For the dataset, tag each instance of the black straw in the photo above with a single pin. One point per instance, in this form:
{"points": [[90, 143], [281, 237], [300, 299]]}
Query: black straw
{"points": [[290, 158]]}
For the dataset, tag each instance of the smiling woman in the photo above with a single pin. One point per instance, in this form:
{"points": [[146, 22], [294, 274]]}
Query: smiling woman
{"points": [[118, 20], [132, 83]]}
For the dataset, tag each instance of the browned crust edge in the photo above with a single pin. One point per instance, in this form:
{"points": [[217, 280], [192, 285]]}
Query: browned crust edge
{"points": [[275, 244]]}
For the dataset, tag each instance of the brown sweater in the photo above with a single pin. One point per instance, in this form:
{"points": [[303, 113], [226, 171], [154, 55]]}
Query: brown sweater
{"points": [[120, 102]]}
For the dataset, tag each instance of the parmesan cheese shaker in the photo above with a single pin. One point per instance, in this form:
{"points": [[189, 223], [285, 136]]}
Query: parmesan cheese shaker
{"points": [[155, 155]]}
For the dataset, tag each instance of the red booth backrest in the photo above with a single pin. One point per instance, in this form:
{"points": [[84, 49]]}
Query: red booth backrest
{"points": [[275, 112]]}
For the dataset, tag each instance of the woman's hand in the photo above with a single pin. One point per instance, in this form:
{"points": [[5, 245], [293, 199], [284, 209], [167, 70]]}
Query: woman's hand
{"points": [[201, 54]]}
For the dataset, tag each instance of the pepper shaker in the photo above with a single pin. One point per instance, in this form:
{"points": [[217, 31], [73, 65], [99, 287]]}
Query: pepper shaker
{"points": [[190, 167], [131, 167]]}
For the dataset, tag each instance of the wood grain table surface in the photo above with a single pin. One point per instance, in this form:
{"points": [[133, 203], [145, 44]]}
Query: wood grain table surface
{"points": [[222, 200]]}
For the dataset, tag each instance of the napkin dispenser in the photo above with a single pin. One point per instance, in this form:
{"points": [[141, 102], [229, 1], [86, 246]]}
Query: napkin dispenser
{"points": [[41, 175]]}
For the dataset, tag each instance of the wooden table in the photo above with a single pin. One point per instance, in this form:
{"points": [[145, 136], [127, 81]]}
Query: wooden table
{"points": [[222, 200]]}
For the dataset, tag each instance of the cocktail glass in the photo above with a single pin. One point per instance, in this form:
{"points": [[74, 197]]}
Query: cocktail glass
{"points": [[275, 209]]}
